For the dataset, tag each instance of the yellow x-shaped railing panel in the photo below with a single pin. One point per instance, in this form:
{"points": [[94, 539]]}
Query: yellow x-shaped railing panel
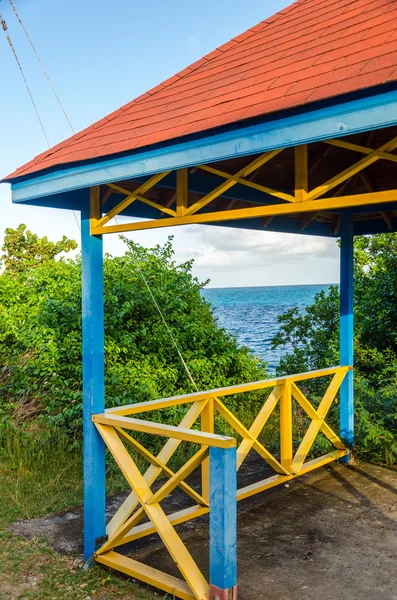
{"points": [[118, 425]]}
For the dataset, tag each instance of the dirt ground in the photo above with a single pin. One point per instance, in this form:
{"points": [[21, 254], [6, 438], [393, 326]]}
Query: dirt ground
{"points": [[329, 534]]}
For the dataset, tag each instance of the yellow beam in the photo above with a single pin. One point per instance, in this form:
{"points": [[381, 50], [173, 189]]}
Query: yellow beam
{"points": [[258, 424], [142, 407], [156, 462], [315, 425], [226, 185], [261, 486], [313, 414], [131, 502], [256, 212], [160, 207], [248, 183], [352, 170], [117, 538], [181, 516], [182, 191], [169, 584], [243, 431], [132, 196], [167, 533], [239, 388], [168, 431], [301, 173], [360, 149], [207, 424], [286, 427], [180, 475], [95, 206]]}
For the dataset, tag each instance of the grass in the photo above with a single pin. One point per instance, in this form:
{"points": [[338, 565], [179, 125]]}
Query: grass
{"points": [[38, 476]]}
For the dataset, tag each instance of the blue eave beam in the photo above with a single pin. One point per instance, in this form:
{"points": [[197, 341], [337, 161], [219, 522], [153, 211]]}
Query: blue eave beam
{"points": [[344, 116]]}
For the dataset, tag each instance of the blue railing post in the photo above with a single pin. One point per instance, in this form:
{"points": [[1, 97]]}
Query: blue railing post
{"points": [[93, 381], [223, 524], [346, 331]]}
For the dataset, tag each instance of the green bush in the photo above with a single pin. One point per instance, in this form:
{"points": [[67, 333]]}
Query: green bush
{"points": [[314, 335], [40, 332]]}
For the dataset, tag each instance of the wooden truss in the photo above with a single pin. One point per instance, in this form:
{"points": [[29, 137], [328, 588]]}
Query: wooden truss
{"points": [[305, 201], [117, 426]]}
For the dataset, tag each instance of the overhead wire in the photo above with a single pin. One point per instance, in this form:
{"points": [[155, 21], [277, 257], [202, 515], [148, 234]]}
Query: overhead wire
{"points": [[5, 28], [41, 65], [6, 31]]}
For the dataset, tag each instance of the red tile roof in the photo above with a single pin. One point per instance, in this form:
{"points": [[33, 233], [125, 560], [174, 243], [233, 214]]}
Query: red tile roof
{"points": [[311, 50]]}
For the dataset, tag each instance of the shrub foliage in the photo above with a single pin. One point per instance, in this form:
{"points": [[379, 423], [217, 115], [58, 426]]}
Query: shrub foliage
{"points": [[40, 331], [314, 335]]}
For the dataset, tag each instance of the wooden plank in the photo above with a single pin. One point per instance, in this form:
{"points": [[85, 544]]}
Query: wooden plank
{"points": [[169, 584]]}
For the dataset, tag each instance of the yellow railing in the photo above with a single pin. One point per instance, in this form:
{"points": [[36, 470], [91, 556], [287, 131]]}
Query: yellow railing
{"points": [[117, 424]]}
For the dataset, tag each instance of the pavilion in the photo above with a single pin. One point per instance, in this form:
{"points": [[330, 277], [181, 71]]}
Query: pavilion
{"points": [[289, 127]]}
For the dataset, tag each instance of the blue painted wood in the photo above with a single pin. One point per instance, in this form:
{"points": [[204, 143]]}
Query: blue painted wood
{"points": [[343, 116], [347, 330], [223, 518], [93, 383]]}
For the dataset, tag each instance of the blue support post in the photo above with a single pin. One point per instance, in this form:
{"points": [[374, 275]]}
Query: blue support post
{"points": [[93, 380], [223, 524], [347, 331]]}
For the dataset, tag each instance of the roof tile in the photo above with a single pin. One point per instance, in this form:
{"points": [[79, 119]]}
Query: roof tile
{"points": [[310, 51]]}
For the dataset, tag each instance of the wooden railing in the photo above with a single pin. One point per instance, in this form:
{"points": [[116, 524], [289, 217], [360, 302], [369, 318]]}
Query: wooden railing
{"points": [[117, 426]]}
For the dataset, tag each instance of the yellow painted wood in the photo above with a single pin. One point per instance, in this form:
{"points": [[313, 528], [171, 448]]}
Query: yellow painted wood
{"points": [[352, 170], [360, 149], [142, 407], [117, 538], [167, 533], [301, 173], [160, 207], [207, 424], [169, 431], [258, 424], [226, 185], [155, 461], [313, 414], [248, 183], [309, 205], [95, 206], [182, 191], [196, 397], [149, 575], [243, 431], [181, 516], [131, 502], [261, 486], [132, 196], [286, 427], [315, 425], [180, 475]]}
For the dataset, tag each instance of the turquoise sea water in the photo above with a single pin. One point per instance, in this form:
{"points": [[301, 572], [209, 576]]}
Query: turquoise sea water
{"points": [[251, 313]]}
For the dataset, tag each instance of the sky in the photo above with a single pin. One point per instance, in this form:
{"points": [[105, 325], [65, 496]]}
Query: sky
{"points": [[101, 54]]}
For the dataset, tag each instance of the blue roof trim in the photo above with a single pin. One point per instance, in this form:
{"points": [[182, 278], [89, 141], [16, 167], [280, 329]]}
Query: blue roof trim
{"points": [[345, 116]]}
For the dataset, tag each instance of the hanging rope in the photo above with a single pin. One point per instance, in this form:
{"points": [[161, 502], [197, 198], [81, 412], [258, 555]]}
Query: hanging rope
{"points": [[5, 29], [167, 327], [188, 373], [41, 64]]}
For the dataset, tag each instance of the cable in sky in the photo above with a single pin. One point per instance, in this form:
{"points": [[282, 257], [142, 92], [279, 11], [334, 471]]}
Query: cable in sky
{"points": [[5, 29], [41, 64]]}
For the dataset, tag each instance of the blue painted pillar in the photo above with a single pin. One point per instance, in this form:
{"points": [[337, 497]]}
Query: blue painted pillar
{"points": [[93, 382], [346, 331], [223, 524]]}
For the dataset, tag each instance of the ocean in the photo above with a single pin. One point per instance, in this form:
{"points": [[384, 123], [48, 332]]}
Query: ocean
{"points": [[251, 314]]}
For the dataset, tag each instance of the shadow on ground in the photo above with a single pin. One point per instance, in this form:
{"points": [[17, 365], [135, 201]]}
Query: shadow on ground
{"points": [[331, 533]]}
